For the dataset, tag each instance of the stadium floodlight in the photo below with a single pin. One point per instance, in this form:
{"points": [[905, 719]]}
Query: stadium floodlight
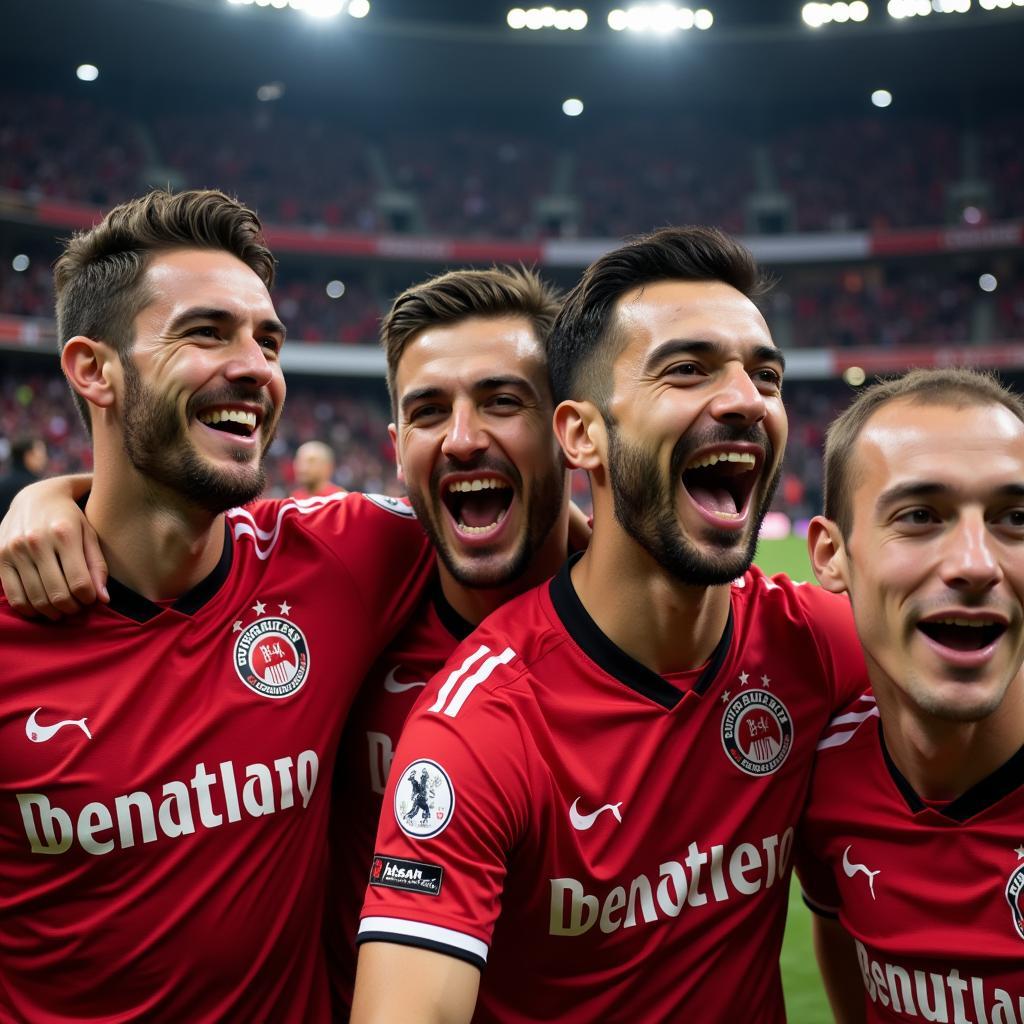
{"points": [[659, 18], [20, 262], [572, 107], [988, 282], [335, 289], [359, 8], [87, 72], [854, 376], [859, 10], [537, 18], [881, 98]]}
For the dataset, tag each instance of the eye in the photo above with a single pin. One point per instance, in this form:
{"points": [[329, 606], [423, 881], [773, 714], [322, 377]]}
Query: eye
{"points": [[204, 331], [917, 517], [768, 376], [271, 342], [685, 370], [422, 414], [504, 403], [1013, 518]]}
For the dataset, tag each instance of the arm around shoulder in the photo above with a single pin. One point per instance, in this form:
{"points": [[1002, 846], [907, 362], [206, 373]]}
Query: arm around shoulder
{"points": [[414, 986]]}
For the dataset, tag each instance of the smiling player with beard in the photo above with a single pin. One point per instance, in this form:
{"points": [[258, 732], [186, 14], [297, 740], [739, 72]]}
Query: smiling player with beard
{"points": [[616, 761]]}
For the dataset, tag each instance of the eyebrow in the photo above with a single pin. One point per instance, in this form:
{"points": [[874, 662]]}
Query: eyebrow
{"points": [[410, 398], [932, 489], [269, 325], [697, 347]]}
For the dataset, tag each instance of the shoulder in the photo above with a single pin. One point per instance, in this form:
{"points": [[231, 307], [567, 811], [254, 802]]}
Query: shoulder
{"points": [[850, 731]]}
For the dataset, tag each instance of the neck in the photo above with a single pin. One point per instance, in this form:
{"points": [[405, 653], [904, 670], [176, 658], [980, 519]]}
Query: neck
{"points": [[474, 604], [666, 625], [152, 541], [943, 759]]}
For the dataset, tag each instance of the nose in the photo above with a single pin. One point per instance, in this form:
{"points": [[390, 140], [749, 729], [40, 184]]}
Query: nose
{"points": [[738, 401], [247, 360], [465, 436], [969, 560]]}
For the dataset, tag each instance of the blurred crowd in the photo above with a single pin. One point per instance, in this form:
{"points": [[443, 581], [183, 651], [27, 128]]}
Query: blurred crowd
{"points": [[608, 179]]}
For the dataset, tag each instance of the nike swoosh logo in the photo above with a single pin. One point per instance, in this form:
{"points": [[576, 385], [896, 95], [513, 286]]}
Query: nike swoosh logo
{"points": [[583, 822], [41, 733], [392, 685]]}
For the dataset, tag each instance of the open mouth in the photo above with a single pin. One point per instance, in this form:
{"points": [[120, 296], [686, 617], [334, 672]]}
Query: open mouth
{"points": [[721, 482], [962, 634], [479, 505], [239, 422]]}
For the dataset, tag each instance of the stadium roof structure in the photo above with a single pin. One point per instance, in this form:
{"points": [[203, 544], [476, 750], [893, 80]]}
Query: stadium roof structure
{"points": [[759, 59]]}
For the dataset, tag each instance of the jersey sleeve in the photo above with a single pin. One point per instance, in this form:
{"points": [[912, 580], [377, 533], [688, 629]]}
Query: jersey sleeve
{"points": [[817, 883], [383, 558], [456, 805], [831, 621]]}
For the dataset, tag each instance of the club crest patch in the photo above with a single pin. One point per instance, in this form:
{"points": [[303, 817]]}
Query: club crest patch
{"points": [[272, 657], [424, 799], [757, 732], [1014, 894]]}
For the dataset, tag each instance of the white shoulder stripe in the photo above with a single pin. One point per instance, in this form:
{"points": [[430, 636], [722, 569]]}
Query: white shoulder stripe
{"points": [[244, 525], [837, 739], [445, 691], [482, 673], [419, 930]]}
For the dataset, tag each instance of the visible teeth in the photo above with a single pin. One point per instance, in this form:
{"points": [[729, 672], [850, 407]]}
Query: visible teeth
{"points": [[485, 484], [463, 528], [962, 622], [247, 419], [712, 460]]}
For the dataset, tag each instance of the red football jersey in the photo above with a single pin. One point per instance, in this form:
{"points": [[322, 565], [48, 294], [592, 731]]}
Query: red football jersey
{"points": [[364, 761], [165, 772], [606, 843], [932, 895]]}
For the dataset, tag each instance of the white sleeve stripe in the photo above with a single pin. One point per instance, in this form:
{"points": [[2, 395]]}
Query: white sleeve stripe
{"points": [[248, 528], [853, 717], [430, 932], [476, 679], [837, 739], [449, 685]]}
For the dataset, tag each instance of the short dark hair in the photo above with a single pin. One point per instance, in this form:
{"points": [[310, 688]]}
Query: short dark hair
{"points": [[954, 387], [98, 279], [460, 294], [584, 333], [20, 447]]}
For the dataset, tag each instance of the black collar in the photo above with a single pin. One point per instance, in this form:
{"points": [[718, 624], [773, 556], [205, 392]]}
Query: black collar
{"points": [[613, 659], [459, 627], [133, 605], [982, 795]]}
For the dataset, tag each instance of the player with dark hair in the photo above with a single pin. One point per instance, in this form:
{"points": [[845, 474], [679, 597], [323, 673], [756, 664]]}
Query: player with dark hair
{"points": [[164, 822], [912, 846], [28, 463], [618, 758]]}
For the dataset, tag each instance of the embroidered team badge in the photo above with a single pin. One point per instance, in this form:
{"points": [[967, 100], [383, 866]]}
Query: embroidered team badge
{"points": [[1014, 894], [424, 799], [757, 732], [271, 655], [389, 504]]}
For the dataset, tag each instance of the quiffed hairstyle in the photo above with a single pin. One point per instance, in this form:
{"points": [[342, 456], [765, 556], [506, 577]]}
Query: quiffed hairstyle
{"points": [[957, 388], [459, 295], [98, 279], [584, 340]]}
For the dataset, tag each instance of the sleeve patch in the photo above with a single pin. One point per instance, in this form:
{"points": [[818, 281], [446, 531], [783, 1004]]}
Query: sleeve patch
{"points": [[424, 799], [407, 875], [394, 505]]}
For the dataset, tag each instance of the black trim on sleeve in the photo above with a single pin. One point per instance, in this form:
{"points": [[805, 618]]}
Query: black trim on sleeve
{"points": [[419, 943], [615, 661], [817, 909], [1008, 777], [133, 605]]}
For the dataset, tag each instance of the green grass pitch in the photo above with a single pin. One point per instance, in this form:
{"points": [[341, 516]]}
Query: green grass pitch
{"points": [[805, 999]]}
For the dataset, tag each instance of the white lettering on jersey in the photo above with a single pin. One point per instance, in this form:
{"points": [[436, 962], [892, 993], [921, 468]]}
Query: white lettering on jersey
{"points": [[100, 829], [930, 995], [382, 753], [470, 683], [750, 868]]}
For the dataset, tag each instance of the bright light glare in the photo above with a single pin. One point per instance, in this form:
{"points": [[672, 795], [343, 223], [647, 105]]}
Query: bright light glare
{"points": [[881, 98], [322, 8], [972, 215], [516, 18], [87, 72], [359, 8], [20, 262], [988, 282], [578, 19], [659, 18], [617, 20], [335, 289], [854, 376], [572, 107], [703, 19], [270, 92], [859, 10]]}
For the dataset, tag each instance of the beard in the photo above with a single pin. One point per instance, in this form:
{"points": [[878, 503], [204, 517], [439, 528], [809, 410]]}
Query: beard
{"points": [[158, 446], [646, 509], [479, 569]]}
